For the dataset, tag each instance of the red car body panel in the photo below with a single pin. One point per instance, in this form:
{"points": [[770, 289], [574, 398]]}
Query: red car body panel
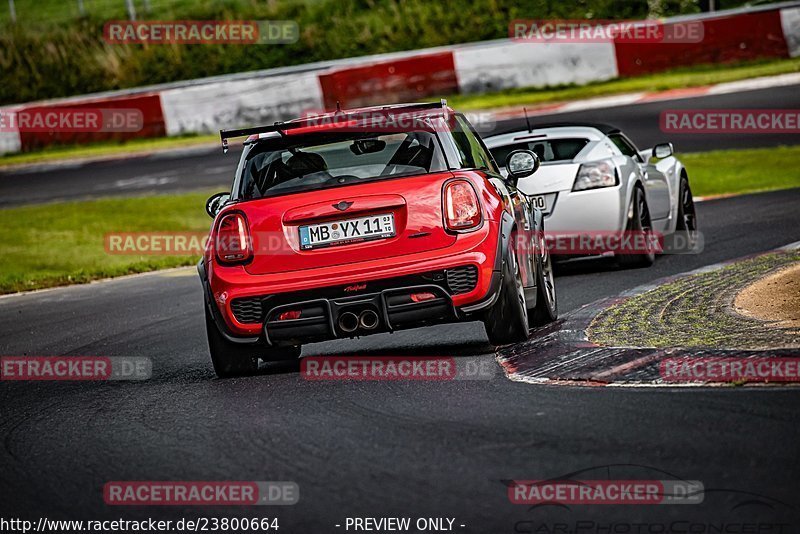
{"points": [[293, 270], [421, 244], [416, 203]]}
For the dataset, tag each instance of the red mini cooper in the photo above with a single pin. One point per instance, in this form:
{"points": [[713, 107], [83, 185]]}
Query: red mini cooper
{"points": [[365, 221]]}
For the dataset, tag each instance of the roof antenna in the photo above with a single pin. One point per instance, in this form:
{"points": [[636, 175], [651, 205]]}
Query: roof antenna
{"points": [[338, 107], [527, 121]]}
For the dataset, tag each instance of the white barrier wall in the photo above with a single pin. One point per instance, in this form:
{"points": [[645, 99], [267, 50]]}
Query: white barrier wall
{"points": [[10, 142], [208, 108], [9, 139], [507, 65], [790, 22]]}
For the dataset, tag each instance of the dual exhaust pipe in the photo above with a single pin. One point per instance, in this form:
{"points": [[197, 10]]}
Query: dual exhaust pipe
{"points": [[350, 322]]}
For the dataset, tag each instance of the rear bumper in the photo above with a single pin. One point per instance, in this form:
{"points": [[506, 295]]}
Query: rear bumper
{"points": [[580, 215], [393, 308], [247, 307], [595, 210]]}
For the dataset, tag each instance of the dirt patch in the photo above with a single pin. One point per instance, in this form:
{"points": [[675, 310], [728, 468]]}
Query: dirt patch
{"points": [[775, 298]]}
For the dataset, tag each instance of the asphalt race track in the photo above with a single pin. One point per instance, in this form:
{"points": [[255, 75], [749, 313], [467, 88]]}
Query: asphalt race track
{"points": [[370, 449], [206, 168]]}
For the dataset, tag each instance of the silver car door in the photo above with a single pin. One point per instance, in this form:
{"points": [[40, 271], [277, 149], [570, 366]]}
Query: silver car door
{"points": [[655, 182]]}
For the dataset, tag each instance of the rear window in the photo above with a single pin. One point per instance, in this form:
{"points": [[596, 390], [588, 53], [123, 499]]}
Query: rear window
{"points": [[546, 149], [303, 163]]}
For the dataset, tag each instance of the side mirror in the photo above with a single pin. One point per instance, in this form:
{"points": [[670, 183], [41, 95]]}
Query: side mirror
{"points": [[663, 150], [521, 163], [215, 203]]}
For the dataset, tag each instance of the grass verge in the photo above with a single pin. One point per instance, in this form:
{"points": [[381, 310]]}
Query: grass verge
{"points": [[696, 311], [59, 244], [99, 150], [742, 171]]}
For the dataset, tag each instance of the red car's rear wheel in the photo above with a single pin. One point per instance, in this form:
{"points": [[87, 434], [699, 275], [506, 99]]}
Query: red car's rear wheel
{"points": [[507, 321], [236, 359]]}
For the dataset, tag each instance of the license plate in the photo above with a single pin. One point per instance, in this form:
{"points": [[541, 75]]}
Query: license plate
{"points": [[544, 202], [347, 231], [539, 202]]}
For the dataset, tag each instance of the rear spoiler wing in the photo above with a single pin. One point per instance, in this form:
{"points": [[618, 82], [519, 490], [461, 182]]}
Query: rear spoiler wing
{"points": [[281, 127]]}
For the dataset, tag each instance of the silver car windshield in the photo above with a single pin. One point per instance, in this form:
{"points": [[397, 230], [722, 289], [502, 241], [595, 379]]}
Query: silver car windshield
{"points": [[547, 149]]}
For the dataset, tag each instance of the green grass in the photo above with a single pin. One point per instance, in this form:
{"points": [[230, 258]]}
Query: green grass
{"points": [[63, 243], [696, 76], [108, 149], [58, 244], [743, 171], [694, 311], [50, 52], [40, 12]]}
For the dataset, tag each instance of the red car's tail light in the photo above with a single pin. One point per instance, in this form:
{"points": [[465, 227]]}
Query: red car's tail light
{"points": [[233, 243], [462, 209]]}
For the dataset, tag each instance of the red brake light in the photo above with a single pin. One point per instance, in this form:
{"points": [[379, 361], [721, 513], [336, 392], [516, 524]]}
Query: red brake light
{"points": [[462, 210], [233, 243]]}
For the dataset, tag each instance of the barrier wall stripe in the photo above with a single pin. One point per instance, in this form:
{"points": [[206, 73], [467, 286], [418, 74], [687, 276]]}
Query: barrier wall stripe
{"points": [[740, 37], [387, 82], [509, 64], [9, 135], [148, 104], [790, 23], [208, 108]]}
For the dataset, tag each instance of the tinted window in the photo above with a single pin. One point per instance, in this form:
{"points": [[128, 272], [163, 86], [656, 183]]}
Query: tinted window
{"points": [[624, 146], [546, 149], [301, 163], [470, 148]]}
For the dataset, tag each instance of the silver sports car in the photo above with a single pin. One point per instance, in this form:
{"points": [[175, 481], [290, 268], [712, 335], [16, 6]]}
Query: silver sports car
{"points": [[593, 181]]}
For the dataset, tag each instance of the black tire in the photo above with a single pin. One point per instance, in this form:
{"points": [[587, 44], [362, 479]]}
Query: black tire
{"points": [[687, 218], [546, 309], [507, 321], [236, 359], [638, 221]]}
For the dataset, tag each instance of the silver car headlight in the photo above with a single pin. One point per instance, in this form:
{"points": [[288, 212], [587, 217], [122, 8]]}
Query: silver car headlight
{"points": [[595, 175]]}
